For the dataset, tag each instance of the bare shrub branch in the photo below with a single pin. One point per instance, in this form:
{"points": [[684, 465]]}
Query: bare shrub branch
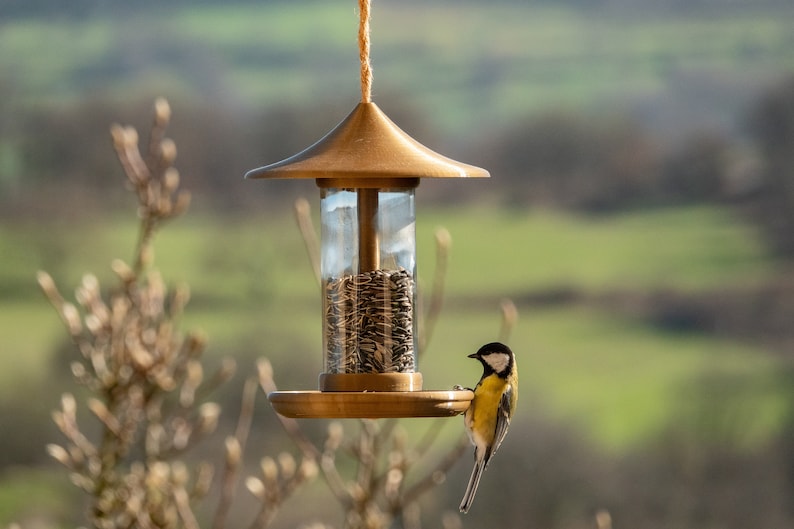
{"points": [[146, 380]]}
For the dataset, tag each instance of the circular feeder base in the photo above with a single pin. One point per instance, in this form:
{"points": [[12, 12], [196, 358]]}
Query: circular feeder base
{"points": [[370, 405]]}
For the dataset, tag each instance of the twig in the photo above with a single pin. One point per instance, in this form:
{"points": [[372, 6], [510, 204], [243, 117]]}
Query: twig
{"points": [[182, 501], [509, 319], [235, 446], [325, 458], [443, 245], [431, 479], [143, 375], [308, 234]]}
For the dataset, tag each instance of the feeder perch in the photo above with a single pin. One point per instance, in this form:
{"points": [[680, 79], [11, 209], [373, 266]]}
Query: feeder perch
{"points": [[367, 170]]}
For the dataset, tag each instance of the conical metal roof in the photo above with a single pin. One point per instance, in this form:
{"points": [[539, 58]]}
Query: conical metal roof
{"points": [[367, 150]]}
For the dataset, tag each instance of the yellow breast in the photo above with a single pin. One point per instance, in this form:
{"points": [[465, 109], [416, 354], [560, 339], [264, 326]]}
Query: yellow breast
{"points": [[482, 413]]}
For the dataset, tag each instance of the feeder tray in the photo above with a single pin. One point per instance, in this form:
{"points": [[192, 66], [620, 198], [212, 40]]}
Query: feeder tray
{"points": [[370, 405]]}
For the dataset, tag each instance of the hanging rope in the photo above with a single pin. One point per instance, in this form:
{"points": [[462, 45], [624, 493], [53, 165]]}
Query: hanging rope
{"points": [[363, 51]]}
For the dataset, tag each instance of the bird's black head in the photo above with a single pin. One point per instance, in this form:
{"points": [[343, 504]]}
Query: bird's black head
{"points": [[496, 358]]}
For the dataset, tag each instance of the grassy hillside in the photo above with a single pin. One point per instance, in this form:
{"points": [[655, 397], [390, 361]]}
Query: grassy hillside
{"points": [[581, 362], [687, 248]]}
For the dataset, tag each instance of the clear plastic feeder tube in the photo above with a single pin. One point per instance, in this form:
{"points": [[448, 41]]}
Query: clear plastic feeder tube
{"points": [[368, 268]]}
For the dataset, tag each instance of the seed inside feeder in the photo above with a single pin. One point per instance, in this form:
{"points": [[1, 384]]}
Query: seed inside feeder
{"points": [[369, 323]]}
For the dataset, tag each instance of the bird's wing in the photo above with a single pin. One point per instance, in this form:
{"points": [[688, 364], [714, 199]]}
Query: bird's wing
{"points": [[502, 419]]}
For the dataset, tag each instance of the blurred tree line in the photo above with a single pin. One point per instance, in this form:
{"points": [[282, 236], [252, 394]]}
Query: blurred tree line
{"points": [[589, 163]]}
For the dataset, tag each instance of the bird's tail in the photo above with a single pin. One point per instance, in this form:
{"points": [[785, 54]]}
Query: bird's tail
{"points": [[471, 489]]}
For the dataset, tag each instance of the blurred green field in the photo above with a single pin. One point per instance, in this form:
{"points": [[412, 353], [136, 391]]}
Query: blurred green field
{"points": [[35, 494], [254, 295], [497, 62], [687, 248]]}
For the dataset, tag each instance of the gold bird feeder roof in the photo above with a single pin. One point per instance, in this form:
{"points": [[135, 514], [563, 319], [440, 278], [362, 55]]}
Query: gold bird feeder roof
{"points": [[367, 150]]}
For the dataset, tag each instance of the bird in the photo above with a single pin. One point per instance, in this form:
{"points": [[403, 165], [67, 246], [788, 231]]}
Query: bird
{"points": [[489, 413]]}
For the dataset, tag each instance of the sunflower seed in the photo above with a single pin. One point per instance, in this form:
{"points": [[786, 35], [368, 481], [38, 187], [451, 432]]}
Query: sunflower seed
{"points": [[369, 322]]}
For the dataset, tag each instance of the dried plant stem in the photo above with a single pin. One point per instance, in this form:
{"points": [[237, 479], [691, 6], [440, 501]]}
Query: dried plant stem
{"points": [[309, 235], [435, 476], [235, 447], [143, 248], [443, 245], [154, 180], [307, 447], [182, 501], [144, 378], [509, 319], [147, 387]]}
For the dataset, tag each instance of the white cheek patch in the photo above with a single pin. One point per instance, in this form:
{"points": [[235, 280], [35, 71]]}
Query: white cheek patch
{"points": [[497, 361]]}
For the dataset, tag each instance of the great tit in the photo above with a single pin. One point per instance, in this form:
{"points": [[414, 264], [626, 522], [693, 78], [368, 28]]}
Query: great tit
{"points": [[489, 414]]}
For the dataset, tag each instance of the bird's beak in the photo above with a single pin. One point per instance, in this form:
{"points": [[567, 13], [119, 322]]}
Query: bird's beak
{"points": [[473, 355]]}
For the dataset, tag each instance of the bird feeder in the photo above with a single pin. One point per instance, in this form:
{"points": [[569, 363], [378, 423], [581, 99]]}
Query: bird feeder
{"points": [[367, 170]]}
